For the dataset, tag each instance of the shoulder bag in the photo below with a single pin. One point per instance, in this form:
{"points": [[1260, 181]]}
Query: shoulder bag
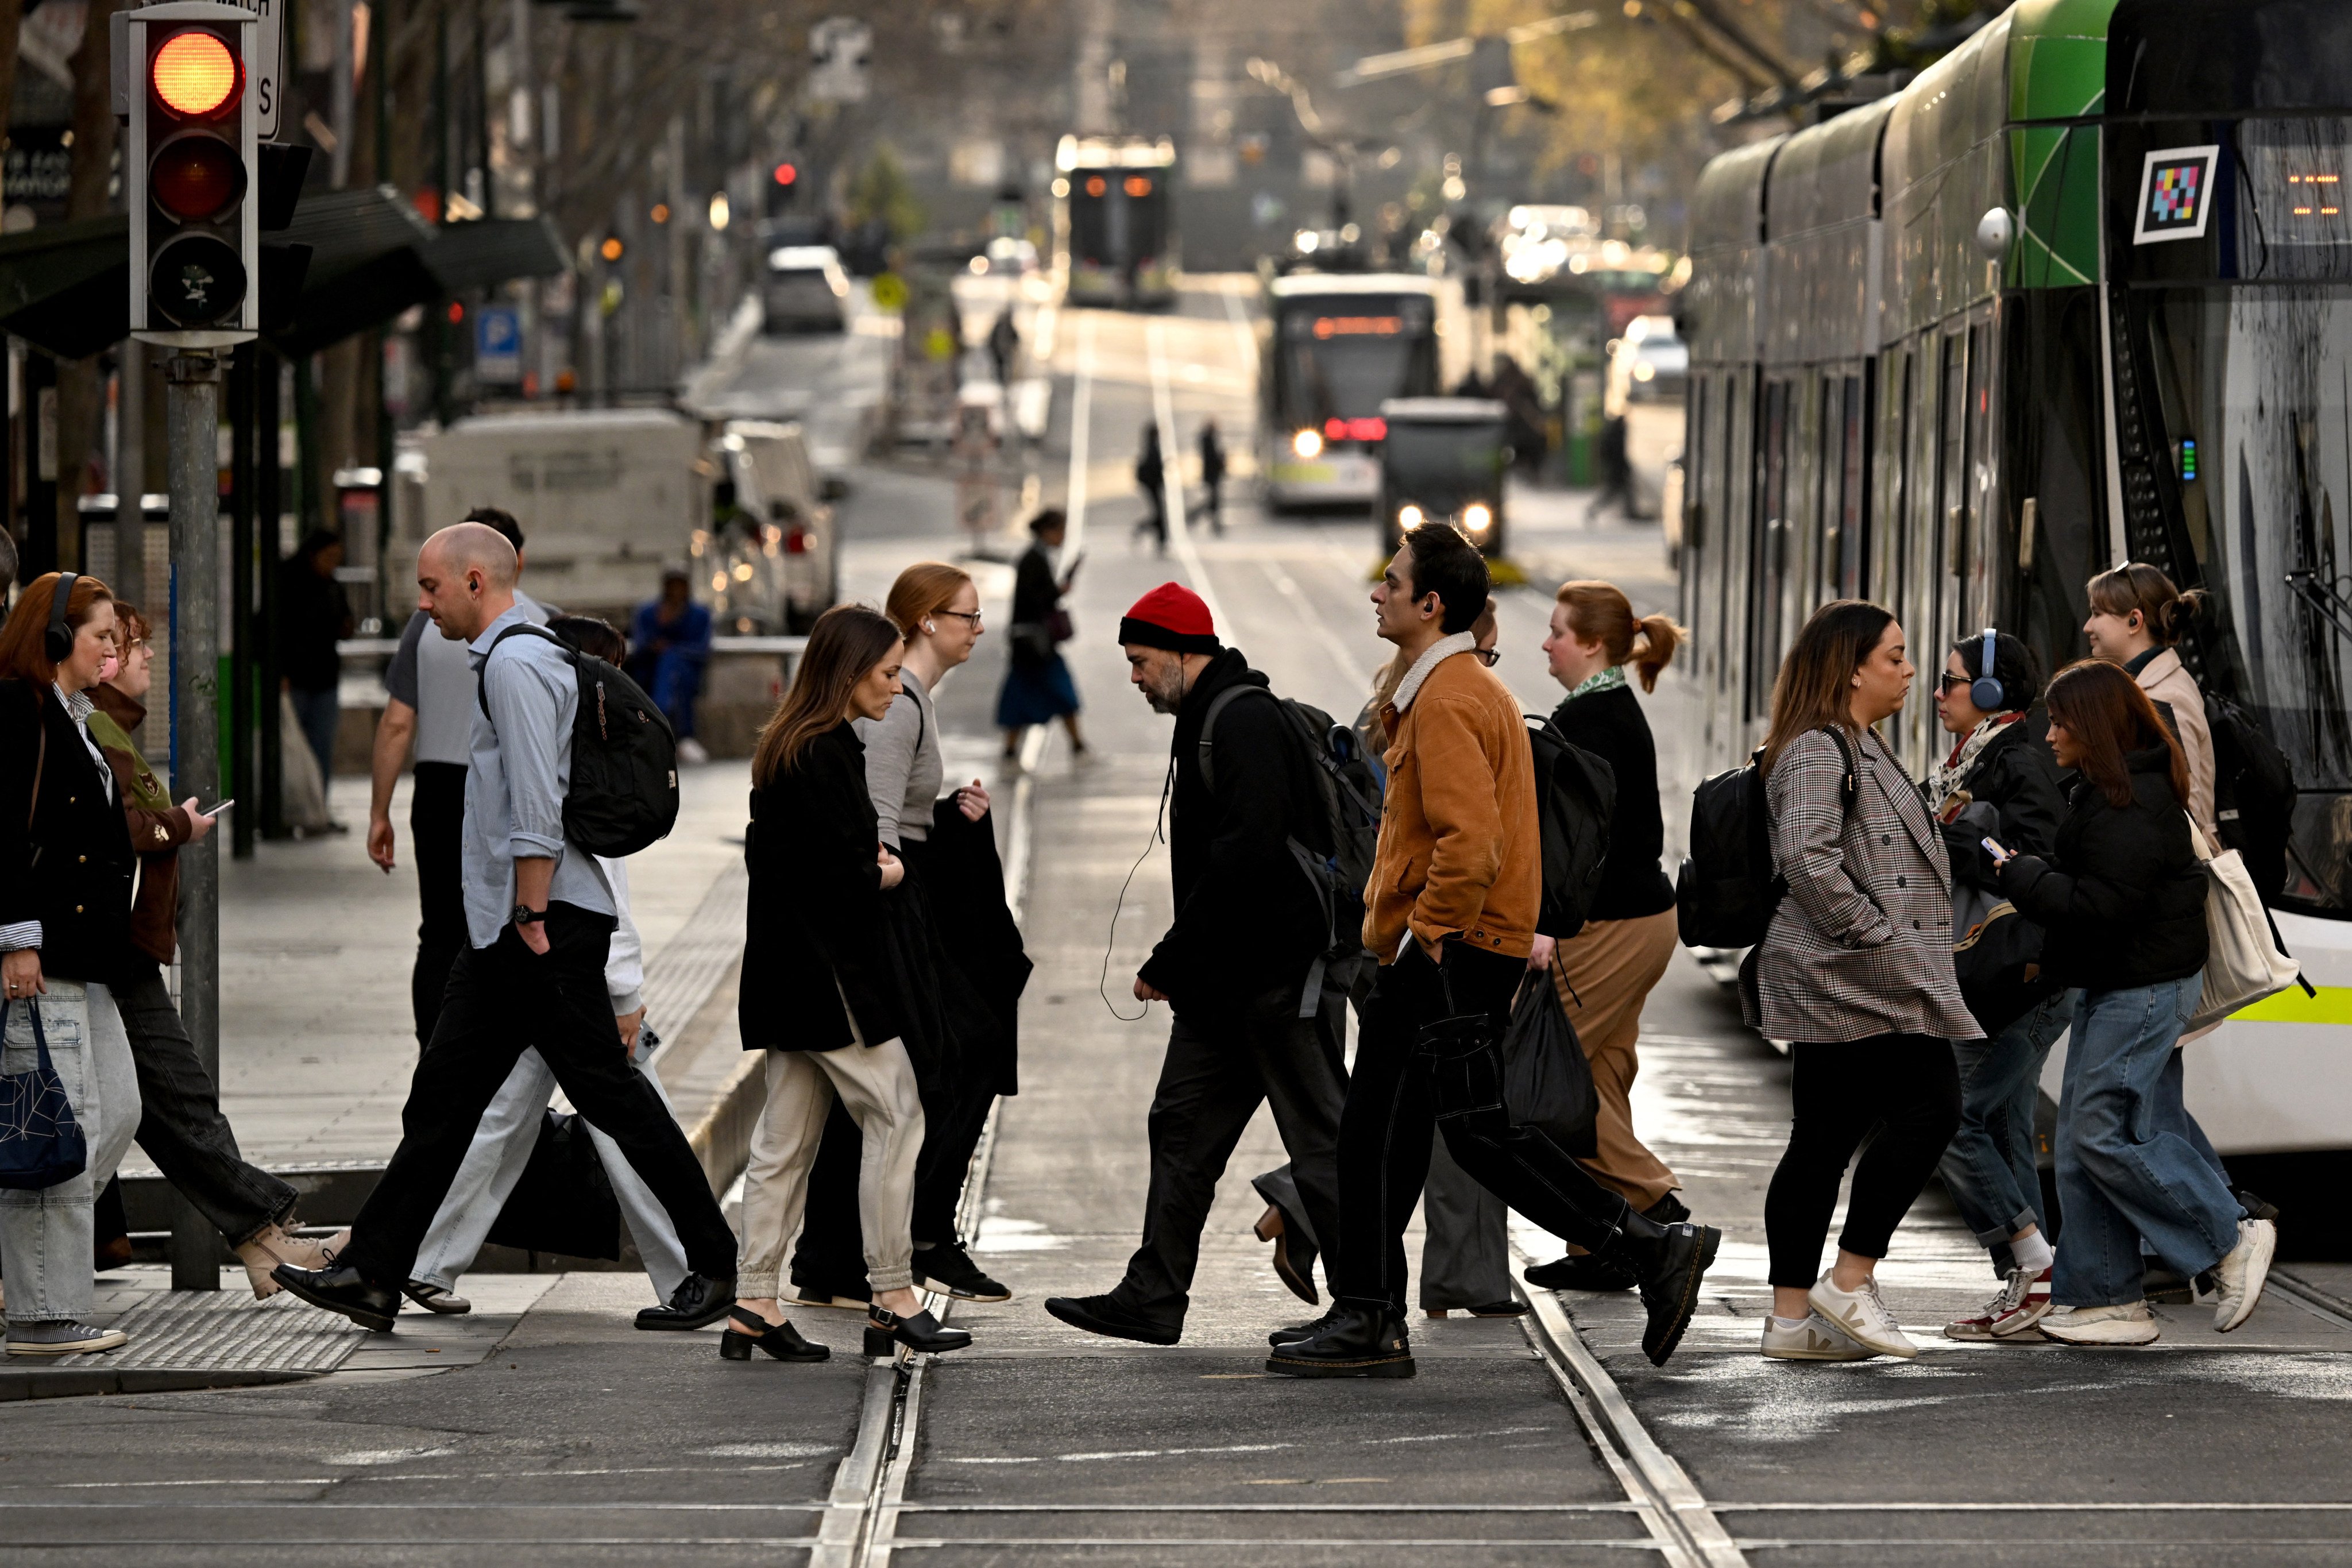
{"points": [[41, 1144], [2244, 963]]}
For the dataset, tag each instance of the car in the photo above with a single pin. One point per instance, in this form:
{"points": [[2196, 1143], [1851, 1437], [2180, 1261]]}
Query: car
{"points": [[805, 291]]}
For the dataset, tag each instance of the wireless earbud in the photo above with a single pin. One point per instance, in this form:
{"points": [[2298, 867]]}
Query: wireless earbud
{"points": [[1987, 690], [928, 625]]}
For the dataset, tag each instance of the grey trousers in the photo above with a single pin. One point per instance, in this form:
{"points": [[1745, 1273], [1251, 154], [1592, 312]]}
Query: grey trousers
{"points": [[45, 1235], [1466, 1247], [494, 1163]]}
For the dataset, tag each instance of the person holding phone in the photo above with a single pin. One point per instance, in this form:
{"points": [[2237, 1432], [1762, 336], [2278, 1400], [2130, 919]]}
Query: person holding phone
{"points": [[2122, 897], [1037, 686]]}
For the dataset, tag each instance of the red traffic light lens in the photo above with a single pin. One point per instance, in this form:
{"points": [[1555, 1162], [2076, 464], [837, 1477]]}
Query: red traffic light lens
{"points": [[786, 174], [196, 75], [196, 176]]}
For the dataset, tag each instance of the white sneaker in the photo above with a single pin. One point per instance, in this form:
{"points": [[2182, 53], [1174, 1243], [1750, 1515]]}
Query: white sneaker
{"points": [[1814, 1338], [690, 752], [2022, 1302], [1863, 1316], [2244, 1272], [2130, 1324]]}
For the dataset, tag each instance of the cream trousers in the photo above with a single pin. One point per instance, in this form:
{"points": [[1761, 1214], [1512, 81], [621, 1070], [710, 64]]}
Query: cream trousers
{"points": [[876, 1084]]}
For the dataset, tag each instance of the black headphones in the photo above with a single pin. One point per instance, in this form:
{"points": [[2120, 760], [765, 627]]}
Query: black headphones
{"points": [[59, 640], [1986, 691]]}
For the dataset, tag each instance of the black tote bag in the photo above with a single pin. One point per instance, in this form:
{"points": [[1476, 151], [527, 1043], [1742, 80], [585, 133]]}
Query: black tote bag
{"points": [[41, 1144]]}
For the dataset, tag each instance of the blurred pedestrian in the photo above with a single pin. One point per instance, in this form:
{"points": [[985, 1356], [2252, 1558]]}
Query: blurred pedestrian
{"points": [[181, 1127], [1856, 968], [2122, 899], [1452, 905], [961, 966], [510, 1130], [1037, 686], [2136, 616], [1213, 475], [1003, 343], [429, 699], [2000, 776], [1616, 467], [1604, 974], [1239, 964], [66, 872], [669, 644], [540, 915], [313, 615], [1151, 479]]}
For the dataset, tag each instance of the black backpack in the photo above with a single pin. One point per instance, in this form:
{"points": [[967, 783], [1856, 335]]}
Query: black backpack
{"points": [[2253, 793], [1576, 792], [1348, 800], [1728, 890], [623, 790]]}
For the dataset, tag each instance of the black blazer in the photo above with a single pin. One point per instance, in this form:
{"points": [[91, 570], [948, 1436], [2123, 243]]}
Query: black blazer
{"points": [[815, 930], [1611, 725], [71, 870], [2123, 905]]}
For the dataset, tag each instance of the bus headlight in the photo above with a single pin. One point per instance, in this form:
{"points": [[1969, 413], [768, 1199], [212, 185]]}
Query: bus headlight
{"points": [[1476, 518], [1410, 516], [1308, 443]]}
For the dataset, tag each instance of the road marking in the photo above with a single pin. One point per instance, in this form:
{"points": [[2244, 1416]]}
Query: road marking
{"points": [[1180, 532], [1082, 409], [1329, 640]]}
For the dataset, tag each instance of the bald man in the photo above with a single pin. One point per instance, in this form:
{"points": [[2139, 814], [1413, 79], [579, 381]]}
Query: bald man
{"points": [[540, 918]]}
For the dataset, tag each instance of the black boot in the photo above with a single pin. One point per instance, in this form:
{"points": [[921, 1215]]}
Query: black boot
{"points": [[1582, 1271], [916, 1332], [340, 1289], [1363, 1339], [1670, 1261], [1296, 1332]]}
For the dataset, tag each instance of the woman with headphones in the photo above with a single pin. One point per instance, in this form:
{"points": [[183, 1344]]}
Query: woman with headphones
{"points": [[65, 936], [1984, 698]]}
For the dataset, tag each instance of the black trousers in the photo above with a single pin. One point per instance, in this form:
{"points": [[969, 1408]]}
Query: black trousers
{"points": [[180, 1122], [1398, 1098], [1218, 1070], [436, 824], [502, 1000], [1907, 1088], [830, 1256]]}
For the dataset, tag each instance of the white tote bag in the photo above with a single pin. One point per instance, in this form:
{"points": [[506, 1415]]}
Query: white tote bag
{"points": [[2244, 964]]}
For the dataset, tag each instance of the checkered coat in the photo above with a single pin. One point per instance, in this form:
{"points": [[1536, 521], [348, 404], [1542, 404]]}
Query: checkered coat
{"points": [[1863, 943]]}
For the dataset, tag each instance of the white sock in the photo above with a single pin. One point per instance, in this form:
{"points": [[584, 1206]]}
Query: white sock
{"points": [[2033, 1253], [1788, 1323]]}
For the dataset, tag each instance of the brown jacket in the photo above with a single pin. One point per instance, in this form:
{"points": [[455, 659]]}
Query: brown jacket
{"points": [[158, 827], [1460, 850]]}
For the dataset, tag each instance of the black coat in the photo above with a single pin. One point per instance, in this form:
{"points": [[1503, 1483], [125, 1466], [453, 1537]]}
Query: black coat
{"points": [[2123, 902], [1035, 596], [1247, 920], [72, 869], [965, 882], [1611, 725], [2018, 777], [815, 930]]}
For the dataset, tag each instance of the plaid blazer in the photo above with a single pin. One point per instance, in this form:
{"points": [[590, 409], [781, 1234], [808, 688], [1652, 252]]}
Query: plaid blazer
{"points": [[1863, 943]]}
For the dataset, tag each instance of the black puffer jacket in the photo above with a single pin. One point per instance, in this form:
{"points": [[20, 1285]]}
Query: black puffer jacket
{"points": [[2124, 904], [2018, 777]]}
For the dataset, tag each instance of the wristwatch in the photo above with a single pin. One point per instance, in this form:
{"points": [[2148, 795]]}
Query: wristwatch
{"points": [[524, 915]]}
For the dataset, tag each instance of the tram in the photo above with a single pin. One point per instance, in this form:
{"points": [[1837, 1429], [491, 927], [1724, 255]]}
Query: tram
{"points": [[1114, 232], [1336, 346], [2081, 293]]}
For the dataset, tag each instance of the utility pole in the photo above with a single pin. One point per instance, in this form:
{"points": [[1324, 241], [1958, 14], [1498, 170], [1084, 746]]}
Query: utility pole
{"points": [[192, 417]]}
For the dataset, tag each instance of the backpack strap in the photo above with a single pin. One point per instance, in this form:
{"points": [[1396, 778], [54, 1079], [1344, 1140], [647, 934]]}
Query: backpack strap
{"points": [[481, 694], [1217, 705], [1852, 789]]}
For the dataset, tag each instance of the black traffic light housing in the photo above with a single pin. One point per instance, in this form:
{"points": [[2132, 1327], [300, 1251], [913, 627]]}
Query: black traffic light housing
{"points": [[196, 183]]}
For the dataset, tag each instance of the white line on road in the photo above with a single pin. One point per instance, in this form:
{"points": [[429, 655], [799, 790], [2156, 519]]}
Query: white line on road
{"points": [[1180, 532], [1341, 654], [1082, 410]]}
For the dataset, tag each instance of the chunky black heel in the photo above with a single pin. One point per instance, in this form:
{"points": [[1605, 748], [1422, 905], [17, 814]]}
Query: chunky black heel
{"points": [[916, 1332], [780, 1340]]}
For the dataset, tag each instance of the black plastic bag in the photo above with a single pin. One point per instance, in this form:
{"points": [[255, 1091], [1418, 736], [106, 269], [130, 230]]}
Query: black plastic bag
{"points": [[564, 1201], [1547, 1081]]}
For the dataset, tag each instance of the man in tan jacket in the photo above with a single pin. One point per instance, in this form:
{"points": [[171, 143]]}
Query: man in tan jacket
{"points": [[1450, 913]]}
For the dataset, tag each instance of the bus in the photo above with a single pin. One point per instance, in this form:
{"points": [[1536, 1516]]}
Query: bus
{"points": [[2081, 293], [1114, 228], [1336, 346]]}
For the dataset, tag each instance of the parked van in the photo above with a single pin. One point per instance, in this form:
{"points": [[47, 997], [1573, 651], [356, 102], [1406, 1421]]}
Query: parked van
{"points": [[769, 562]]}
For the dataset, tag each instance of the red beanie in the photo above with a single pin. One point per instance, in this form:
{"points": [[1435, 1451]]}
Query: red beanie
{"points": [[1171, 617]]}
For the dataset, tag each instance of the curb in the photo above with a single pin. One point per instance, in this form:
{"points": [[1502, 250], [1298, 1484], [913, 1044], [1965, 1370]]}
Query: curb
{"points": [[722, 1139], [65, 1383]]}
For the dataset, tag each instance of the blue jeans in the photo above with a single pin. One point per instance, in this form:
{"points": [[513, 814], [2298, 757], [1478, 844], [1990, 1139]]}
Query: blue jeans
{"points": [[1991, 1170], [2126, 1170], [678, 681], [322, 713]]}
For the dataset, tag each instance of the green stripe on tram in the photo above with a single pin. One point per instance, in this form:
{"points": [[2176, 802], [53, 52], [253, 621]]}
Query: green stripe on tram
{"points": [[2332, 1005]]}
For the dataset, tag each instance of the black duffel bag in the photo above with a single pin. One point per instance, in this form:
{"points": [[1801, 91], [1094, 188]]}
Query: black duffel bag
{"points": [[564, 1201]]}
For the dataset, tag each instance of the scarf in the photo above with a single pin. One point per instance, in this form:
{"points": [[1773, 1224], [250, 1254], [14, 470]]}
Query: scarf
{"points": [[1609, 680], [1954, 768]]}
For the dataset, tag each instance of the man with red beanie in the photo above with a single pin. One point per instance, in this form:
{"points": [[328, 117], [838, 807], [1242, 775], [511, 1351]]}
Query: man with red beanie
{"points": [[1237, 965]]}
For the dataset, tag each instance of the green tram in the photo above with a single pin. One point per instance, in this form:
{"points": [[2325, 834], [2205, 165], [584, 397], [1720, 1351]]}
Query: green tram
{"points": [[2082, 292]]}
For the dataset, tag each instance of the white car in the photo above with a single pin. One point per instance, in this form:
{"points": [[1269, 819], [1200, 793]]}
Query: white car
{"points": [[805, 291]]}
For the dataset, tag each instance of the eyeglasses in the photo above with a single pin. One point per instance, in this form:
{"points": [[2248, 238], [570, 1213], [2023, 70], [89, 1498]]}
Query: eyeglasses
{"points": [[971, 615], [1489, 657], [1949, 681]]}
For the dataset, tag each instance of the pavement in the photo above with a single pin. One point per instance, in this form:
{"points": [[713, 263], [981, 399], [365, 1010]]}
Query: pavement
{"points": [[545, 1428]]}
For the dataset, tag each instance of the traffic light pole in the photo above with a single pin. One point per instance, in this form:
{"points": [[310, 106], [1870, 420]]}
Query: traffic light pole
{"points": [[192, 418]]}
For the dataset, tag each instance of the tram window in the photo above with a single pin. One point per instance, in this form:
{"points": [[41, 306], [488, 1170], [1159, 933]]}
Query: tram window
{"points": [[1976, 564], [1851, 510], [1942, 578], [1765, 558], [1821, 583]]}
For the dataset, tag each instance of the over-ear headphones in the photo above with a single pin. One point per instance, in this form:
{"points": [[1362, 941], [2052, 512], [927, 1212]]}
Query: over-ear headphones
{"points": [[59, 640], [1987, 690]]}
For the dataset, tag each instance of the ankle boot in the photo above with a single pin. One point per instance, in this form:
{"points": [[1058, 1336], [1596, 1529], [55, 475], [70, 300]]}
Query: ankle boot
{"points": [[1669, 1264], [1361, 1339], [273, 1246]]}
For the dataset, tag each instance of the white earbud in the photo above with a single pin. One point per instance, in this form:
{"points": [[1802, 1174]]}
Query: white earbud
{"points": [[928, 625]]}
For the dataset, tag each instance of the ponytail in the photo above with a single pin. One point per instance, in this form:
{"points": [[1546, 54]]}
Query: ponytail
{"points": [[1654, 648]]}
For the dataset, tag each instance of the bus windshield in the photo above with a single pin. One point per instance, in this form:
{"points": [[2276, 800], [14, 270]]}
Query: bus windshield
{"points": [[1341, 357]]}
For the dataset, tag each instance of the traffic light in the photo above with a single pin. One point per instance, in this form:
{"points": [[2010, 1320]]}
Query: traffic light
{"points": [[193, 160]]}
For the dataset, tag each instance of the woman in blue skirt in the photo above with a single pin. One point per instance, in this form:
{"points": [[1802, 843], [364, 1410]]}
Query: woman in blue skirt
{"points": [[1037, 686]]}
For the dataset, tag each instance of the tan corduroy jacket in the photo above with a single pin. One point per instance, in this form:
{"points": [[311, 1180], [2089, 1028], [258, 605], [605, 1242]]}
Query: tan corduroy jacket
{"points": [[1460, 850]]}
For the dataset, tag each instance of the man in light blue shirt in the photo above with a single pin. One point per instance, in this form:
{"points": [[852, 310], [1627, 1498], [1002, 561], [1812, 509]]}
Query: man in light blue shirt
{"points": [[540, 915]]}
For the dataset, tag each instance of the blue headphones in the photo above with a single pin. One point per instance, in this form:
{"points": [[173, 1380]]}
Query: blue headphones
{"points": [[58, 639], [1986, 691]]}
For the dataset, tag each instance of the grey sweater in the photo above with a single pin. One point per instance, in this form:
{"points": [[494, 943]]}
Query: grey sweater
{"points": [[903, 765]]}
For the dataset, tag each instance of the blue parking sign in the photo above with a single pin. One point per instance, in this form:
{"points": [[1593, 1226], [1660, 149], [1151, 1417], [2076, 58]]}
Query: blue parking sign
{"points": [[498, 343]]}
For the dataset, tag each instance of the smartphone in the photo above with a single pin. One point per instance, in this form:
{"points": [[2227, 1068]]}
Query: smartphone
{"points": [[1994, 849], [223, 806]]}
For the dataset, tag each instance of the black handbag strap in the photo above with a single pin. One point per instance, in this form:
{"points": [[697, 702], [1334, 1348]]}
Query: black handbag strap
{"points": [[40, 1035]]}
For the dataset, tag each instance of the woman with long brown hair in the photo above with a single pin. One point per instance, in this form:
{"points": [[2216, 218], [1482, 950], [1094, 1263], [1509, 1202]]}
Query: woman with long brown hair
{"points": [[2122, 899], [819, 995], [1856, 970]]}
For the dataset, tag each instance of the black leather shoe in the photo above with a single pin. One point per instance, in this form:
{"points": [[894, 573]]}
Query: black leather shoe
{"points": [[1293, 1255], [1103, 1315], [697, 1303], [916, 1332], [747, 1329], [947, 1267], [340, 1289], [1670, 1282], [1296, 1332], [1361, 1341], [1582, 1271]]}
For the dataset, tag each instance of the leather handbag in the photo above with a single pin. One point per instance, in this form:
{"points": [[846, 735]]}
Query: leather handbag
{"points": [[41, 1143], [2244, 963]]}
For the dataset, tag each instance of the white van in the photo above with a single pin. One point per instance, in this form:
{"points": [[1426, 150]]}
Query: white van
{"points": [[774, 565]]}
